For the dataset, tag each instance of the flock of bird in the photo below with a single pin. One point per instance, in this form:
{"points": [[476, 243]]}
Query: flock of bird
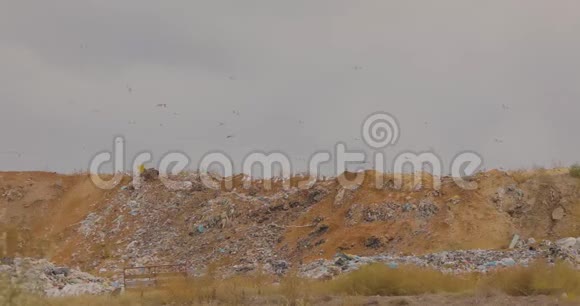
{"points": [[221, 123]]}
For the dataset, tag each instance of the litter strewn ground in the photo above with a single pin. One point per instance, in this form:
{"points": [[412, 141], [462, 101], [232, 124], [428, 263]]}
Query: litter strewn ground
{"points": [[72, 223]]}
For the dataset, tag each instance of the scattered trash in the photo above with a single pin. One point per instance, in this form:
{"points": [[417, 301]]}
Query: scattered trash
{"points": [[566, 242], [57, 271], [150, 174], [508, 262], [454, 200], [455, 262], [338, 200], [408, 207], [38, 276], [272, 229], [373, 242], [558, 213], [88, 224], [514, 242]]}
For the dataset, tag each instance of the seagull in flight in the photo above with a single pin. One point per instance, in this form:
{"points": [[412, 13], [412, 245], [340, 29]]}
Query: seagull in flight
{"points": [[18, 154]]}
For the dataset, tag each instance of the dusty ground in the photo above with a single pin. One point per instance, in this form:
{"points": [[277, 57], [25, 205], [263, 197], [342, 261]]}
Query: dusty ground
{"points": [[449, 300]]}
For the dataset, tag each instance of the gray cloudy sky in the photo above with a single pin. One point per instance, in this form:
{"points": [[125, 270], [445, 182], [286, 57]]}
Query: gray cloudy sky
{"points": [[302, 74]]}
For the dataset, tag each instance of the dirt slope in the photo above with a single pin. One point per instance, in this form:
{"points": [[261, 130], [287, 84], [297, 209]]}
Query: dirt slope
{"points": [[68, 220]]}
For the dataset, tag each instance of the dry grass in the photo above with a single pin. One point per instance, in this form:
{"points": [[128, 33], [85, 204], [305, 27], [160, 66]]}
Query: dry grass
{"points": [[575, 171], [539, 279], [521, 176], [371, 280], [378, 279]]}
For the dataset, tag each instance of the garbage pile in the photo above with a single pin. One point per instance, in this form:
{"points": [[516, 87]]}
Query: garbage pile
{"points": [[248, 228], [39, 276], [455, 262], [153, 225]]}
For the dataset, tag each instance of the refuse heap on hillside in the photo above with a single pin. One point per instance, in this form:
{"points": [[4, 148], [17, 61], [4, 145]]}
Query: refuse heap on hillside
{"points": [[456, 262], [39, 276]]}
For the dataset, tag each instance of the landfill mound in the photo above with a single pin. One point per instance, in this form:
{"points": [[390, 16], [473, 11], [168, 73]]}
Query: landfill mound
{"points": [[68, 220], [38, 276], [524, 254]]}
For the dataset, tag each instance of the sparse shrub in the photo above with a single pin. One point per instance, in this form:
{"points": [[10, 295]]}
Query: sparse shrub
{"points": [[540, 278], [521, 176], [378, 279], [12, 292], [294, 289], [575, 170]]}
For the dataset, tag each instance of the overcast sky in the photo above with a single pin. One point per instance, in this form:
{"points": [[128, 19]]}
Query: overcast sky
{"points": [[501, 78]]}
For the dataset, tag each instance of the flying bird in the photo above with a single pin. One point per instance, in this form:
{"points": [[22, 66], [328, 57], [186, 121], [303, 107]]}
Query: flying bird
{"points": [[229, 136], [18, 154], [163, 105]]}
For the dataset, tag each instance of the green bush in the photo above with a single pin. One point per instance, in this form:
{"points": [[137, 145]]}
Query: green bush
{"points": [[575, 170]]}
